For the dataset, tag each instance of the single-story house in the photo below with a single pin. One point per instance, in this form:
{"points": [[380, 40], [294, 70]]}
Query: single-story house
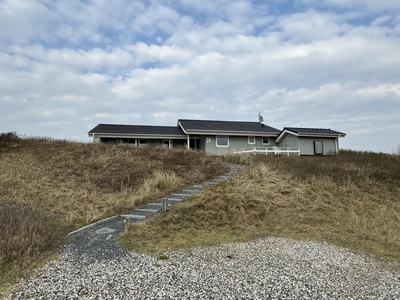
{"points": [[222, 137]]}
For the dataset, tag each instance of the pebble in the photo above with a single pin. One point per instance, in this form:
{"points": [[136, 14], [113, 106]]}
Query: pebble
{"points": [[268, 268]]}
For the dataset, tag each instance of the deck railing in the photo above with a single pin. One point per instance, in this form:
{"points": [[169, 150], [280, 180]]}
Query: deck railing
{"points": [[270, 150]]}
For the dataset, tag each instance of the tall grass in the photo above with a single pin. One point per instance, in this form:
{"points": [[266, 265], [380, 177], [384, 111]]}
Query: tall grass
{"points": [[350, 200], [49, 187]]}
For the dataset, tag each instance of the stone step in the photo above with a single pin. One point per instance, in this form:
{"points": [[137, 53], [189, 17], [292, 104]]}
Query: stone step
{"points": [[179, 194], [157, 204], [175, 199], [147, 210], [152, 208], [189, 191], [137, 217]]}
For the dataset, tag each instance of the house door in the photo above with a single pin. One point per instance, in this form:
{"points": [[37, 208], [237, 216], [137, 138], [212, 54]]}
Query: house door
{"points": [[318, 148]]}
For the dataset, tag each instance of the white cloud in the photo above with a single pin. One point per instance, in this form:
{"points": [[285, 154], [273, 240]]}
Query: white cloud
{"points": [[22, 21], [79, 63], [309, 26]]}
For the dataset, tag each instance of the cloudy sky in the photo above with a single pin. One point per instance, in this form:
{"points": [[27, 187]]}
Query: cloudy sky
{"points": [[66, 66]]}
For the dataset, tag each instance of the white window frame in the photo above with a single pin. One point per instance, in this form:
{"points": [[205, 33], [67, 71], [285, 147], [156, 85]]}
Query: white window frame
{"points": [[262, 140], [218, 137], [254, 140]]}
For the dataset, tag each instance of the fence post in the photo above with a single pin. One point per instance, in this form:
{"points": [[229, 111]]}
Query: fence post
{"points": [[164, 204], [128, 223]]}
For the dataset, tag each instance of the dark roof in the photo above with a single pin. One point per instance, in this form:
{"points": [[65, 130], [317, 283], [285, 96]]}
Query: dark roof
{"points": [[136, 129], [226, 126], [316, 131]]}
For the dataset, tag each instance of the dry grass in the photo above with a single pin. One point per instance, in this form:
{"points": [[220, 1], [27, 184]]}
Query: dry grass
{"points": [[350, 200], [396, 150], [49, 187]]}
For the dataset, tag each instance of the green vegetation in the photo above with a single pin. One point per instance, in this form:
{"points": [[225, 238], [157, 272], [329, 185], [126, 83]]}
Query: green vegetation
{"points": [[350, 200], [50, 187]]}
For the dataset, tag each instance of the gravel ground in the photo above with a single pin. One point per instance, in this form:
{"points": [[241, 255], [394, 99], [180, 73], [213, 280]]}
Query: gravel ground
{"points": [[270, 268]]}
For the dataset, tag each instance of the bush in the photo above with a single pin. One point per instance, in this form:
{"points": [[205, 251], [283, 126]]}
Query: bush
{"points": [[26, 232], [9, 136]]}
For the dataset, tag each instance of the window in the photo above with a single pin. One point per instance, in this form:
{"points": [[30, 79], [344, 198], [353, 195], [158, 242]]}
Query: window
{"points": [[142, 143], [252, 140], [166, 144], [222, 141], [265, 140]]}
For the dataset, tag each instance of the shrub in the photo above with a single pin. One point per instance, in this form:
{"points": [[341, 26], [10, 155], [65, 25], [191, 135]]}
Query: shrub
{"points": [[26, 231], [9, 136]]}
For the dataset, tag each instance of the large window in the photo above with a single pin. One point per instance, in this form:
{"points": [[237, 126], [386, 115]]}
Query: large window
{"points": [[142, 143], [265, 140], [222, 141], [251, 140]]}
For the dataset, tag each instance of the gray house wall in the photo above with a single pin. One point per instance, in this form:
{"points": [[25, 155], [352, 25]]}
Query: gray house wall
{"points": [[307, 145], [235, 143], [289, 141]]}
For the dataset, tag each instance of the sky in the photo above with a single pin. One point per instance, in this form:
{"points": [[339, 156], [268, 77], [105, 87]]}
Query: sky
{"points": [[66, 66]]}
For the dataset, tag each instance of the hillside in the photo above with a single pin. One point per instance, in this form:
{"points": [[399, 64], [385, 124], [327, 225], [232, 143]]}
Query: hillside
{"points": [[350, 200], [50, 187]]}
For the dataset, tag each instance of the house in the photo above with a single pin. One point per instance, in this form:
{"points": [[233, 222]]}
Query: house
{"points": [[311, 141], [222, 137]]}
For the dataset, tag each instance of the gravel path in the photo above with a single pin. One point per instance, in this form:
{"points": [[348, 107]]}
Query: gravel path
{"points": [[270, 268]]}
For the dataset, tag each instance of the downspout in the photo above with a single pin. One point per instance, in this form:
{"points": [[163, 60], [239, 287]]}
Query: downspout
{"points": [[188, 141]]}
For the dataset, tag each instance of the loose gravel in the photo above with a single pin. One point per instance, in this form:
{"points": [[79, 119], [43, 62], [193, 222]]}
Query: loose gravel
{"points": [[269, 268]]}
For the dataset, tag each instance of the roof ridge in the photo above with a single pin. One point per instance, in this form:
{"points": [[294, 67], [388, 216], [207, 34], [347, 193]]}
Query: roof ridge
{"points": [[306, 127], [219, 121], [174, 126]]}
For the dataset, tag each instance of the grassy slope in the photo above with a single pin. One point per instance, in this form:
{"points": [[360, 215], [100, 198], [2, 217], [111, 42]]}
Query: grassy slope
{"points": [[350, 200], [50, 187]]}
